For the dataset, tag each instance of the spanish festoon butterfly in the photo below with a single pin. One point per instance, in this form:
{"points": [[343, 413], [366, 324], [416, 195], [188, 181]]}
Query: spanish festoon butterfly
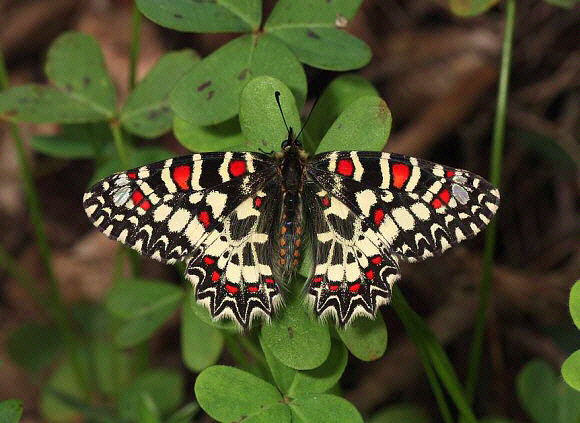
{"points": [[239, 221]]}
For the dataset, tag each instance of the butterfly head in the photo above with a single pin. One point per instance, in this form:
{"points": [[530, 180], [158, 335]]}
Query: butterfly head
{"points": [[291, 141]]}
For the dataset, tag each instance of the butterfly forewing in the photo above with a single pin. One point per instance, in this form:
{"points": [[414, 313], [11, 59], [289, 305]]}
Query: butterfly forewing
{"points": [[416, 207], [166, 209]]}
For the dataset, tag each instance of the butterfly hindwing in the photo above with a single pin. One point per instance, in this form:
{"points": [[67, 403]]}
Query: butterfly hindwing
{"points": [[234, 271], [417, 207], [353, 271], [166, 209]]}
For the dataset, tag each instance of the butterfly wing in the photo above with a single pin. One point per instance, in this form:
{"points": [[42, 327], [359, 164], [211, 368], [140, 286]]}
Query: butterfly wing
{"points": [[167, 209], [234, 272], [417, 207], [353, 270], [369, 209], [210, 210]]}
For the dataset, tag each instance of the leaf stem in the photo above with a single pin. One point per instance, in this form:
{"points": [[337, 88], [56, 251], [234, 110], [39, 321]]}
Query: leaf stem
{"points": [[435, 386], [495, 175], [135, 46], [256, 352], [120, 144], [235, 350]]}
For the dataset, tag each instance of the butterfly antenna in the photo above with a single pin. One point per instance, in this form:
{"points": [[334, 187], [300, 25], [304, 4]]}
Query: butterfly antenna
{"points": [[308, 118], [277, 95]]}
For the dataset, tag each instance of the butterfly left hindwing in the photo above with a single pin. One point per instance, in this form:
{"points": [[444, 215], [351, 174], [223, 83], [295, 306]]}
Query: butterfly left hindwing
{"points": [[369, 209]]}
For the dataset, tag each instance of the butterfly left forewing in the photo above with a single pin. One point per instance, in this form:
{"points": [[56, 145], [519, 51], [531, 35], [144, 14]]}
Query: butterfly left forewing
{"points": [[418, 208]]}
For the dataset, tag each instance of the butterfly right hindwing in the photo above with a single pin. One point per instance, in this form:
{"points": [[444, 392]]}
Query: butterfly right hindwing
{"points": [[235, 272]]}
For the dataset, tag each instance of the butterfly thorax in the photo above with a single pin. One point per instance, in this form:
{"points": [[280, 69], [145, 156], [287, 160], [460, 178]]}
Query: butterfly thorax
{"points": [[291, 167]]}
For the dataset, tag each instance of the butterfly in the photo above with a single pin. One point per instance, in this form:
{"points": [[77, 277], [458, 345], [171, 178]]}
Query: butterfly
{"points": [[240, 221]]}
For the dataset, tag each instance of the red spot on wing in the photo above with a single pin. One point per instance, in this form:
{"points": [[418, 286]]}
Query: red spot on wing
{"points": [[181, 175], [237, 167], [137, 196], [132, 175], [444, 195], [450, 173], [401, 173], [317, 280], [253, 288], [354, 287], [231, 288], [269, 281], [257, 202], [370, 274], [215, 276], [333, 288], [436, 203], [204, 218], [345, 167], [376, 260], [208, 260], [379, 216], [145, 205], [325, 201]]}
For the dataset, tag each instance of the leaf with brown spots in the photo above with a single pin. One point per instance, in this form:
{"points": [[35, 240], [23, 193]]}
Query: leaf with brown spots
{"points": [[210, 93], [204, 16], [314, 31], [147, 112]]}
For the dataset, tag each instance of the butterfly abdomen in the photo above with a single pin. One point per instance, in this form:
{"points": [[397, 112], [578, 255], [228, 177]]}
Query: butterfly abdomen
{"points": [[290, 231], [292, 171]]}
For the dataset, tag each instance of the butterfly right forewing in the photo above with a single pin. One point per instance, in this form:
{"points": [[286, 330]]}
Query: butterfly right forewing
{"points": [[165, 210]]}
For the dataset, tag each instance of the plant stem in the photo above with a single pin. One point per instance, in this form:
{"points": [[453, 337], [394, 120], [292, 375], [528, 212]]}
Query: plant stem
{"points": [[435, 386], [495, 174], [135, 46], [433, 357], [4, 81], [54, 301], [30, 192], [34, 208], [235, 350], [256, 352], [120, 144]]}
